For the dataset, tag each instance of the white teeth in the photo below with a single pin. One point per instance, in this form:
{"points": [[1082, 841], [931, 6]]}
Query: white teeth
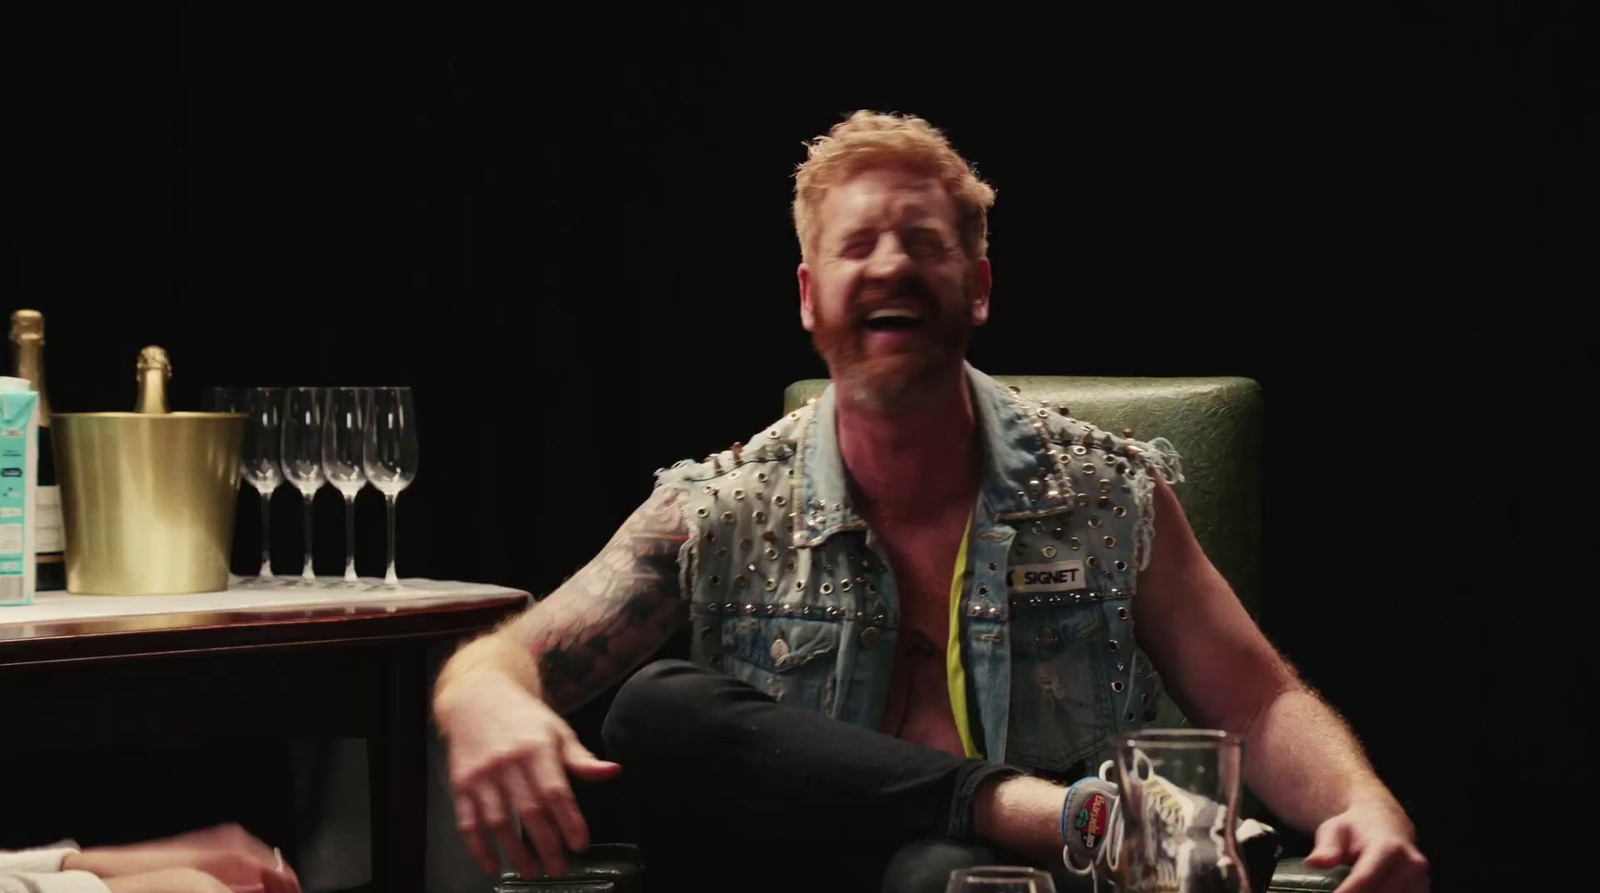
{"points": [[894, 313]]}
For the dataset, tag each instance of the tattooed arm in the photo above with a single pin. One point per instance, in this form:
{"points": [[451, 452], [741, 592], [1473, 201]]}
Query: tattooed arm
{"points": [[603, 621], [613, 614], [498, 700]]}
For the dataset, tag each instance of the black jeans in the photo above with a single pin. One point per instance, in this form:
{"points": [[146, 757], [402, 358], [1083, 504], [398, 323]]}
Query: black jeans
{"points": [[738, 792]]}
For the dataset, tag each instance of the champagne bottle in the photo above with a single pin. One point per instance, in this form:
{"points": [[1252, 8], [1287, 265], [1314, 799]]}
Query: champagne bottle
{"points": [[27, 338], [153, 371]]}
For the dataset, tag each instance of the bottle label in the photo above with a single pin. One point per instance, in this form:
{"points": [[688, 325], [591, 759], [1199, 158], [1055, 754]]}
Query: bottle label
{"points": [[16, 411], [47, 535]]}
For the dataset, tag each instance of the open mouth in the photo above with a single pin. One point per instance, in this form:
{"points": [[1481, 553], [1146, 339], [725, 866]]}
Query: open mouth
{"points": [[893, 319]]}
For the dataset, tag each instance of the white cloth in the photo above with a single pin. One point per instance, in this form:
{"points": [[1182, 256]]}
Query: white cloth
{"points": [[42, 859], [39, 871], [245, 594]]}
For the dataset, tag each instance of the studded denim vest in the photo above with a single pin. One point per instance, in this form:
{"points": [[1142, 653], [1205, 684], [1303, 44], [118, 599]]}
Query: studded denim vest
{"points": [[790, 591]]}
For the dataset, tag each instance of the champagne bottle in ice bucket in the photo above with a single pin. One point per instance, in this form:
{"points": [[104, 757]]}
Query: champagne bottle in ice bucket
{"points": [[1179, 812], [148, 497]]}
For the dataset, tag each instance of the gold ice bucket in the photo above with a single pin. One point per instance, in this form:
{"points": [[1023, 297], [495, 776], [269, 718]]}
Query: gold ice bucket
{"points": [[148, 499]]}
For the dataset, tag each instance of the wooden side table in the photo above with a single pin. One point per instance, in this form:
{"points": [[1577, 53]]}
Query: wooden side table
{"points": [[317, 660]]}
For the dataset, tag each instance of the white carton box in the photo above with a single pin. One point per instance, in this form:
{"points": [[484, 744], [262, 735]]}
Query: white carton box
{"points": [[19, 474]]}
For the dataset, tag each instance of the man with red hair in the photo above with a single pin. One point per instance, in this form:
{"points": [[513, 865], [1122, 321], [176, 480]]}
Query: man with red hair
{"points": [[912, 606]]}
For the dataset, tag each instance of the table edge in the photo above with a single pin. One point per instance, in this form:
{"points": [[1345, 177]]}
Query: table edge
{"points": [[274, 628]]}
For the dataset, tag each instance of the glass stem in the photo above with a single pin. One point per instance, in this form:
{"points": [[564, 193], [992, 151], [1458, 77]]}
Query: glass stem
{"points": [[390, 577], [350, 539], [308, 573], [266, 535]]}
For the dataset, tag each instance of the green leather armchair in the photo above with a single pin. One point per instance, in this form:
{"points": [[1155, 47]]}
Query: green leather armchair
{"points": [[1216, 426]]}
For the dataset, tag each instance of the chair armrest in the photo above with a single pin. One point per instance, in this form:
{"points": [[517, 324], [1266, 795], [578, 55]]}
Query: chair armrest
{"points": [[617, 868], [603, 868], [1294, 876]]}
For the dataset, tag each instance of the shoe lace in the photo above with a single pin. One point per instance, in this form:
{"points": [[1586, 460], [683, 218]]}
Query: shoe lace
{"points": [[1109, 848]]}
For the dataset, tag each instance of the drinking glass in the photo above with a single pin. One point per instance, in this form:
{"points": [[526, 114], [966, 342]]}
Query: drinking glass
{"points": [[228, 400], [1180, 802], [999, 879], [302, 454], [389, 453], [222, 400], [342, 435], [261, 454]]}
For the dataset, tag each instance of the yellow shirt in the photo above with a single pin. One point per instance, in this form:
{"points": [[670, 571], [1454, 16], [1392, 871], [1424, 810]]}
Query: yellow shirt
{"points": [[955, 671]]}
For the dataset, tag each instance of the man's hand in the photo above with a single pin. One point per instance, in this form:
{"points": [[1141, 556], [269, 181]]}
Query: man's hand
{"points": [[227, 854], [1378, 841], [498, 701], [509, 759]]}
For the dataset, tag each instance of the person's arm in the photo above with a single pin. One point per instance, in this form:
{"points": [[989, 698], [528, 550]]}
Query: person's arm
{"points": [[499, 699], [220, 859], [1304, 762], [52, 882], [597, 626], [167, 880], [227, 854], [175, 880]]}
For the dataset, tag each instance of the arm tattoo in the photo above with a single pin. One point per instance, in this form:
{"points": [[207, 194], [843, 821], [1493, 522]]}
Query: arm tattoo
{"points": [[615, 612]]}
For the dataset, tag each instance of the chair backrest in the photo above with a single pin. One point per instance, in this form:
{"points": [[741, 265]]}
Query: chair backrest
{"points": [[1215, 424]]}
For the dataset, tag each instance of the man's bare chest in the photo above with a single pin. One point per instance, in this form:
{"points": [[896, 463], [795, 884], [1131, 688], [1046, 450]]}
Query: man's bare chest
{"points": [[923, 559]]}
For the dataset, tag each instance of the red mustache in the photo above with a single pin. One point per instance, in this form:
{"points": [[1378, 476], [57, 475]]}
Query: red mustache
{"points": [[906, 291]]}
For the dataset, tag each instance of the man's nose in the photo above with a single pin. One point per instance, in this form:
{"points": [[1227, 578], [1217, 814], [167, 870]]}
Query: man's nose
{"points": [[889, 260]]}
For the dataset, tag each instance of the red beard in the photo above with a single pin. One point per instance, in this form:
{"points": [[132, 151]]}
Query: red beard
{"points": [[892, 379]]}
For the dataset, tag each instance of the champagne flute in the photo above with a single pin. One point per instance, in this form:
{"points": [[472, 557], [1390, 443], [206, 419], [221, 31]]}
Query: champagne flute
{"points": [[223, 400], [999, 879], [390, 453], [342, 443], [302, 454], [262, 452], [228, 400]]}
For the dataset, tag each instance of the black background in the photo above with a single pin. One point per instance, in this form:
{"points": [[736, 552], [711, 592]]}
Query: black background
{"points": [[569, 232]]}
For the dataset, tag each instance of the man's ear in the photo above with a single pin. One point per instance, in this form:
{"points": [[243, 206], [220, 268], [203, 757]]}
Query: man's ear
{"points": [[808, 312], [983, 275]]}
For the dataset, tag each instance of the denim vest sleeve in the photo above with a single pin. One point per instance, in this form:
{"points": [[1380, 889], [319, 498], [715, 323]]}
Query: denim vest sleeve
{"points": [[802, 610], [754, 614]]}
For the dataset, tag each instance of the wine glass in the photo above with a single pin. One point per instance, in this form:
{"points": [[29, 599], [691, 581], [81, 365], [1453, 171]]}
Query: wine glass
{"points": [[222, 400], [342, 443], [389, 453], [261, 454], [999, 879], [302, 454]]}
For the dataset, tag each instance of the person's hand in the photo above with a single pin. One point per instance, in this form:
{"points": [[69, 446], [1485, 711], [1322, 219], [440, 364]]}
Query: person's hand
{"points": [[168, 880], [509, 759], [236, 857], [271, 879], [226, 853], [1377, 840], [280, 880]]}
